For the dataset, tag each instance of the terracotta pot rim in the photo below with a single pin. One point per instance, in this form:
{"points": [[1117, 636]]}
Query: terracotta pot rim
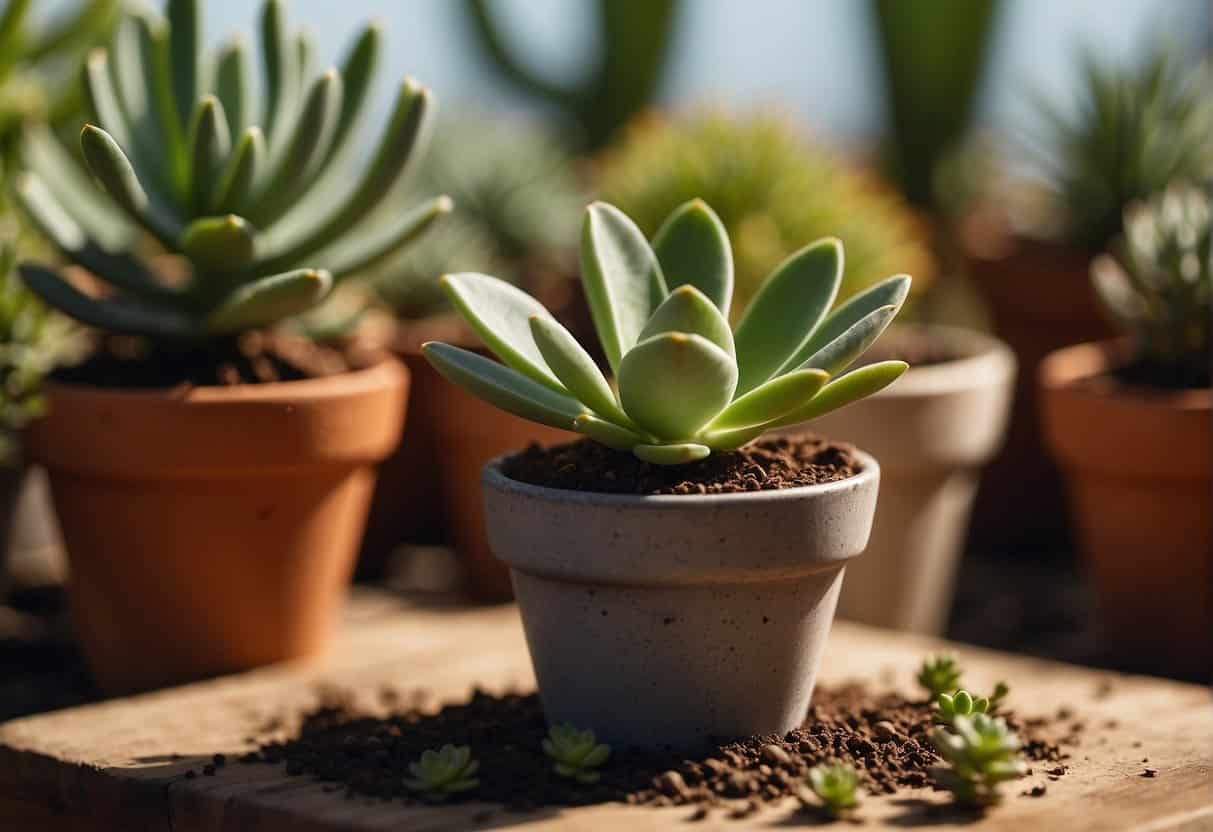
{"points": [[988, 362], [493, 477], [1062, 369]]}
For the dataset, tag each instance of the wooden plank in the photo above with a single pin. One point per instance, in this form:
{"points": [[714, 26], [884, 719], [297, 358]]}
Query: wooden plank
{"points": [[116, 763]]}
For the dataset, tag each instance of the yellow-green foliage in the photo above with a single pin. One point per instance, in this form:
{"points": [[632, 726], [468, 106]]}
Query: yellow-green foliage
{"points": [[773, 189]]}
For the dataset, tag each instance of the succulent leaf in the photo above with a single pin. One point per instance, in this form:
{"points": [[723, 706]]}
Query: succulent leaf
{"points": [[130, 318], [219, 244], [838, 354], [184, 25], [233, 85], [687, 309], [673, 384], [836, 786], [981, 752], [116, 174], [210, 142], [769, 401], [847, 388], [939, 674], [692, 247], [678, 453], [269, 299], [357, 72], [439, 774], [608, 433], [889, 292], [243, 167], [576, 753], [375, 245], [576, 370]]}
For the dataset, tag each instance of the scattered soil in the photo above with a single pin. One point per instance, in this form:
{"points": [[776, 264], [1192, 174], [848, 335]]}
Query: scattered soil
{"points": [[883, 735], [767, 464], [253, 358]]}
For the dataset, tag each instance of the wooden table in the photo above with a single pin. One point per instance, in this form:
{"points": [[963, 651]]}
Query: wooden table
{"points": [[112, 765]]}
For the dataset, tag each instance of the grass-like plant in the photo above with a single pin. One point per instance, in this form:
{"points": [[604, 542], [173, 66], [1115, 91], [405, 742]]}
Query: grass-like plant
{"points": [[981, 753], [576, 754], [687, 383], [939, 675], [1158, 285], [836, 786], [250, 194], [439, 774]]}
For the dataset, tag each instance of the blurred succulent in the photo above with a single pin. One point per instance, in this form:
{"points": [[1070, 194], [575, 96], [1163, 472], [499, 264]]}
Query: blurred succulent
{"points": [[1158, 285], [245, 205], [772, 188], [440, 774], [576, 753], [962, 703], [516, 198], [1137, 129], [687, 384], [981, 752], [1001, 689], [939, 675], [836, 785]]}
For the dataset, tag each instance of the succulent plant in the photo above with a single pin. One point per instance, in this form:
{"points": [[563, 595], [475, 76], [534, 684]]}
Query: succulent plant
{"points": [[939, 675], [1158, 285], [440, 774], [962, 703], [687, 384], [576, 753], [836, 785], [772, 188], [981, 753], [247, 195], [1137, 129]]}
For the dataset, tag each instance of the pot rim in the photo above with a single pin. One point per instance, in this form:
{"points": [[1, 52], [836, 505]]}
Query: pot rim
{"points": [[493, 477], [1061, 370], [990, 363]]}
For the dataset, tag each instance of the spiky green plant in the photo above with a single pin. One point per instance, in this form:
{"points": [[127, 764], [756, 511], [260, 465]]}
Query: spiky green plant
{"points": [[1137, 128], [981, 753], [939, 674], [1157, 285], [836, 786], [576, 754], [687, 384], [439, 774], [773, 189], [247, 194]]}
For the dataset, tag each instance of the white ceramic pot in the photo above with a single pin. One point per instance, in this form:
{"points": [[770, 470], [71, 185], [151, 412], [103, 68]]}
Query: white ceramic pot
{"points": [[663, 621], [933, 431]]}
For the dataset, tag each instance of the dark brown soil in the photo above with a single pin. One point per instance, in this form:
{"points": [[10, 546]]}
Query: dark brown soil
{"points": [[882, 735], [767, 464], [253, 358]]}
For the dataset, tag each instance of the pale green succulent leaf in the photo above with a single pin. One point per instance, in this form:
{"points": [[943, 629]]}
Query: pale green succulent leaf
{"points": [[154, 56], [114, 171], [210, 142], [673, 384], [732, 439], [357, 73], [769, 401], [574, 368], [129, 317], [686, 309], [839, 354], [673, 454], [502, 386], [278, 65], [889, 292], [844, 390], [269, 300], [240, 174], [608, 433], [622, 279], [377, 244], [692, 247], [103, 98], [786, 310], [184, 36], [219, 244], [233, 85]]}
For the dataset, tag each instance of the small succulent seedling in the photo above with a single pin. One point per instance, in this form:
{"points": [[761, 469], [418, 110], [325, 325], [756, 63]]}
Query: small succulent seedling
{"points": [[1001, 689], [939, 675], [836, 786], [439, 774], [962, 703], [686, 383], [256, 198], [576, 753], [981, 752]]}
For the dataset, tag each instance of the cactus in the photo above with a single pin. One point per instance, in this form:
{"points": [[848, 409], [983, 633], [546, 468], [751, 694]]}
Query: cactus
{"points": [[576, 753], [439, 774], [245, 195], [836, 786], [773, 190], [1158, 284], [939, 675], [687, 383], [635, 42], [981, 753]]}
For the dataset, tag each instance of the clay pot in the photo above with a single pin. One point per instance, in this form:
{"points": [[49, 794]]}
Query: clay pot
{"points": [[1138, 469], [933, 431], [662, 621], [213, 529], [1040, 298]]}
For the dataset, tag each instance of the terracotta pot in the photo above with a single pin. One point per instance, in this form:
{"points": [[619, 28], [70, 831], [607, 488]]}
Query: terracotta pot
{"points": [[933, 431], [1138, 465], [664, 621], [213, 529], [1040, 298]]}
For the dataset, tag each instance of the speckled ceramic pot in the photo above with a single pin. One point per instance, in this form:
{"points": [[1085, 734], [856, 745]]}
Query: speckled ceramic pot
{"points": [[664, 621]]}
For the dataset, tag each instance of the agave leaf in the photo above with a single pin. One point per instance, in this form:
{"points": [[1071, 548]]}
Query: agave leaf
{"points": [[575, 369], [677, 454], [622, 279], [502, 386], [673, 384], [237, 179], [366, 250], [269, 300], [838, 354], [501, 315], [607, 433], [113, 170], [127, 317], [786, 310], [889, 292], [233, 87], [184, 36], [843, 390], [692, 247], [219, 244], [769, 401], [687, 309], [210, 143]]}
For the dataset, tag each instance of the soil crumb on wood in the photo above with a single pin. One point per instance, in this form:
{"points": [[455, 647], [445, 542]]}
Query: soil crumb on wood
{"points": [[883, 735], [767, 464]]}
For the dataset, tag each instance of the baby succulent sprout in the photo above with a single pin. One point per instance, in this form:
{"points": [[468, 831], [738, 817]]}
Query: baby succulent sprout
{"points": [[686, 383], [981, 752], [1001, 689], [962, 703], [836, 786], [254, 196], [939, 675], [576, 753], [440, 774]]}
